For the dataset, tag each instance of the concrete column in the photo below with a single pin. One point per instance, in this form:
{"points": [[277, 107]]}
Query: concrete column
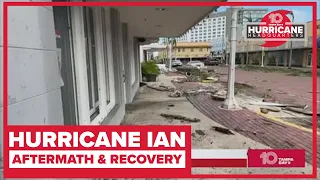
{"points": [[230, 102], [285, 58], [170, 57], [305, 58], [242, 59], [262, 57], [277, 60]]}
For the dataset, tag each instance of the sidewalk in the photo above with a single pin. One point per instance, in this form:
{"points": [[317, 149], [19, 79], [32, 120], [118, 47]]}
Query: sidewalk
{"points": [[149, 104]]}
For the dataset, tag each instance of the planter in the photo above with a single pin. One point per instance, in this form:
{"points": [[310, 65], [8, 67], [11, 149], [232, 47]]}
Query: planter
{"points": [[151, 77]]}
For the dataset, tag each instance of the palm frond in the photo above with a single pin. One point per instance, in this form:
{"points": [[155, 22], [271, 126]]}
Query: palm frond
{"points": [[258, 20], [248, 18]]}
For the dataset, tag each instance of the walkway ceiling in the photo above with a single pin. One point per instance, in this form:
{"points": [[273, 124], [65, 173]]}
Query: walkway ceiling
{"points": [[154, 22]]}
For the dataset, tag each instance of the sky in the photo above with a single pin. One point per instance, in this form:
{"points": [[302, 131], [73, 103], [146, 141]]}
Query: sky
{"points": [[301, 13]]}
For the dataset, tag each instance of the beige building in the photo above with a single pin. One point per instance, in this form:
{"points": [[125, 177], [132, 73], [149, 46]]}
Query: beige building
{"points": [[301, 56], [186, 51]]}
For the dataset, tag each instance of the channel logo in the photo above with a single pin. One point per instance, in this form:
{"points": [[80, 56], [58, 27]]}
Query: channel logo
{"points": [[276, 158]]}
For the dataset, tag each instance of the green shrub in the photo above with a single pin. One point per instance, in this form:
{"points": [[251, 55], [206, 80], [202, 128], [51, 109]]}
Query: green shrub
{"points": [[149, 67]]}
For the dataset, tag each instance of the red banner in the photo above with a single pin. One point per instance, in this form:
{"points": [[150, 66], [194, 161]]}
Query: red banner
{"points": [[98, 151]]}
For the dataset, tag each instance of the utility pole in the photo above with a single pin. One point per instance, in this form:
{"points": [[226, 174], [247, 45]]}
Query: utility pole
{"points": [[262, 56], [230, 102], [290, 55]]}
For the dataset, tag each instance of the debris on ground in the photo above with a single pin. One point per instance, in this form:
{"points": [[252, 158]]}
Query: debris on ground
{"points": [[178, 117], [299, 110], [175, 94], [316, 92], [161, 88], [279, 105], [213, 79], [269, 99], [200, 132], [264, 110], [273, 109], [253, 132], [193, 135], [142, 84], [208, 81], [171, 105], [217, 98], [200, 91], [179, 80], [243, 85], [222, 130]]}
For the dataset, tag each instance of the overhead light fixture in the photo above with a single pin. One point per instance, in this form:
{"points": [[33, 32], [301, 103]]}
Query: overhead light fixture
{"points": [[160, 9]]}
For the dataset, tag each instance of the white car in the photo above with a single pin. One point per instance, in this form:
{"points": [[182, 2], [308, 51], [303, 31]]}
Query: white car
{"points": [[198, 64], [176, 63]]}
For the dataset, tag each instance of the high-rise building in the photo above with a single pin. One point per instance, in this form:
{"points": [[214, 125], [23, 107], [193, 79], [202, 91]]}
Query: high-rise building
{"points": [[206, 30]]}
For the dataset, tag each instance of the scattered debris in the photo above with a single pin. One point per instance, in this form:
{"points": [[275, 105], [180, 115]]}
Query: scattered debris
{"points": [[273, 109], [222, 130], [200, 132], [316, 92], [179, 80], [253, 132], [264, 110], [243, 85], [208, 81], [193, 135], [298, 110], [175, 94], [217, 98], [200, 91], [212, 78], [161, 88], [269, 99], [142, 84], [178, 117], [171, 105], [221, 93], [280, 105]]}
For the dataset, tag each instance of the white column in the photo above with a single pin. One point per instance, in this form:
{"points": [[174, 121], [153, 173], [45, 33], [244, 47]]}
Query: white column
{"points": [[230, 102], [170, 56], [262, 56]]}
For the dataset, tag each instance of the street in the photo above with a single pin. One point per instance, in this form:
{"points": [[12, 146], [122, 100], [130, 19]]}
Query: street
{"points": [[286, 89]]}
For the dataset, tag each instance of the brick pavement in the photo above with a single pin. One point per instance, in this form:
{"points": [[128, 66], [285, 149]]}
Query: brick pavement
{"points": [[252, 125], [287, 89]]}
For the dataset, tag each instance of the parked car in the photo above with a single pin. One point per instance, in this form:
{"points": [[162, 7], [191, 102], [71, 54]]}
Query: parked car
{"points": [[211, 62], [176, 63], [196, 64]]}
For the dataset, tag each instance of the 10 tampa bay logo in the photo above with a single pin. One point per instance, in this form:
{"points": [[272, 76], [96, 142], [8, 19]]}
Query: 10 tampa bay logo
{"points": [[275, 29]]}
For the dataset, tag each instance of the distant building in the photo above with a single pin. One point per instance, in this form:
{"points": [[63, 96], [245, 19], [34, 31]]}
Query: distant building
{"points": [[206, 30], [186, 51]]}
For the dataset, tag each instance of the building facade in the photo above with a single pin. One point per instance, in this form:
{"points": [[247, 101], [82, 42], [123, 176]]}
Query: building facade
{"points": [[188, 51]]}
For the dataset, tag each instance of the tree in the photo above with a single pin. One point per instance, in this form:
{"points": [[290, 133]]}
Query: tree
{"points": [[250, 19], [171, 43]]}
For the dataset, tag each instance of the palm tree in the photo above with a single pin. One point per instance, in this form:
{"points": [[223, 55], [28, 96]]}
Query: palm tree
{"points": [[290, 55], [250, 19], [171, 43]]}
